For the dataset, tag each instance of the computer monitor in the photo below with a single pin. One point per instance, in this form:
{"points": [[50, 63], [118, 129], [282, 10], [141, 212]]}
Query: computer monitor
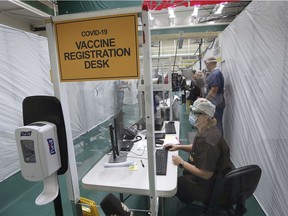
{"points": [[119, 98], [116, 156], [158, 113], [118, 119], [119, 127], [122, 145]]}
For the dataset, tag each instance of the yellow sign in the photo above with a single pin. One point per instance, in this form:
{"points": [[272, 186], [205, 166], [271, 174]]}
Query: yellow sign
{"points": [[99, 48]]}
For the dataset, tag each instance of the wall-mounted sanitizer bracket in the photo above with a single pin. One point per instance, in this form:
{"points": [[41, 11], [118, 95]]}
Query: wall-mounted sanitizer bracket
{"points": [[42, 146], [39, 155]]}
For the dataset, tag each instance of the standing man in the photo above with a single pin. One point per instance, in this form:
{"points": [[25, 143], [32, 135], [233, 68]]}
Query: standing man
{"points": [[214, 90]]}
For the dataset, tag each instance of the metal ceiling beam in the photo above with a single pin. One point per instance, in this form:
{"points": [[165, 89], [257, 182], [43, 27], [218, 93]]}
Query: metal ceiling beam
{"points": [[197, 32], [196, 36], [34, 6]]}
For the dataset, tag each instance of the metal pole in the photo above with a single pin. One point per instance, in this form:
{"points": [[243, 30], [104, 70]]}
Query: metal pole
{"points": [[61, 93], [200, 54], [58, 205], [149, 111]]}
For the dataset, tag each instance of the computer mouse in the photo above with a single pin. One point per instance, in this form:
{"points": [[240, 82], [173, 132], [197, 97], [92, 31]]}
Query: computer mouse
{"points": [[167, 147]]}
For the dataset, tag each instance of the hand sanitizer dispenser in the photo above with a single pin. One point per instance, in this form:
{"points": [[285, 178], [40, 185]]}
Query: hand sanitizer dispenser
{"points": [[39, 155]]}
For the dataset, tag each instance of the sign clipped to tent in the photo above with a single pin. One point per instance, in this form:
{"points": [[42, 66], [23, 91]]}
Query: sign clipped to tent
{"points": [[99, 48]]}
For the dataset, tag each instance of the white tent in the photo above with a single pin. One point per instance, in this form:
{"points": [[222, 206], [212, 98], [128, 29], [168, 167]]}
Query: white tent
{"points": [[24, 71], [254, 53], [254, 64]]}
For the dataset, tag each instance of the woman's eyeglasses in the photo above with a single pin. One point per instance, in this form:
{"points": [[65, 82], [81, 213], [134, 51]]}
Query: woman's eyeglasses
{"points": [[198, 113]]}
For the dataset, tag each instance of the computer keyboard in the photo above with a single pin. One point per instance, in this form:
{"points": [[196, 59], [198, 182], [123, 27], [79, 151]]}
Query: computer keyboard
{"points": [[159, 141], [170, 128], [161, 161], [158, 136]]}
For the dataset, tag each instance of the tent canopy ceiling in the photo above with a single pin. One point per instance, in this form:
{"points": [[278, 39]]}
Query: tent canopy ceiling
{"points": [[206, 25]]}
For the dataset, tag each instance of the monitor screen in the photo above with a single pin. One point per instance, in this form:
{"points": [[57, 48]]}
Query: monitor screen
{"points": [[116, 157], [156, 102], [118, 118], [119, 101], [119, 128], [115, 151]]}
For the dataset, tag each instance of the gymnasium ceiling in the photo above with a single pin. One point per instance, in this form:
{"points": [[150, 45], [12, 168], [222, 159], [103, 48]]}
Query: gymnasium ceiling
{"points": [[193, 29]]}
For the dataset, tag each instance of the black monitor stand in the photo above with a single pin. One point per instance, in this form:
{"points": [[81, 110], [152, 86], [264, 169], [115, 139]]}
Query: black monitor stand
{"points": [[116, 156]]}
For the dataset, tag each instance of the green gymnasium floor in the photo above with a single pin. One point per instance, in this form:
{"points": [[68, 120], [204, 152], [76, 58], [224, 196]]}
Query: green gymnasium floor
{"points": [[18, 195]]}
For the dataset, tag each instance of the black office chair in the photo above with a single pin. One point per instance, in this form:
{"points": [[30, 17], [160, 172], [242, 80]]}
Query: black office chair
{"points": [[111, 205], [233, 190]]}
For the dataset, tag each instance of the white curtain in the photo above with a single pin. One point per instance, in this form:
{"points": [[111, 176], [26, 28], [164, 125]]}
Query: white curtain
{"points": [[24, 71], [90, 104], [254, 64]]}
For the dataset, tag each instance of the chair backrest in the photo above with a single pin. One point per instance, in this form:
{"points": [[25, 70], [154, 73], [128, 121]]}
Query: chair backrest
{"points": [[111, 205], [238, 185]]}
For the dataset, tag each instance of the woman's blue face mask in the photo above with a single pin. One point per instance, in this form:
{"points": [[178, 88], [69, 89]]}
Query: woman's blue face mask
{"points": [[193, 118]]}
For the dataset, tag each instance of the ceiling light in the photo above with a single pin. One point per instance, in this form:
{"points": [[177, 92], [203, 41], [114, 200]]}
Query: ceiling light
{"points": [[150, 16], [171, 13], [193, 20], [172, 22], [195, 12], [219, 10], [30, 8]]}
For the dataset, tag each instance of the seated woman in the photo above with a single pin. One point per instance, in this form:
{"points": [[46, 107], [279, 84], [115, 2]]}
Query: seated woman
{"points": [[209, 154]]}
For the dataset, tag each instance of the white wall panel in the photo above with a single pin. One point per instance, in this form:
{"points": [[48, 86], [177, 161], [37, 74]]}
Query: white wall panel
{"points": [[254, 51], [24, 71]]}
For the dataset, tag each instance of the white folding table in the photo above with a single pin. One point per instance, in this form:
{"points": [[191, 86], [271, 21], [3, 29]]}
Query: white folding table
{"points": [[123, 180]]}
